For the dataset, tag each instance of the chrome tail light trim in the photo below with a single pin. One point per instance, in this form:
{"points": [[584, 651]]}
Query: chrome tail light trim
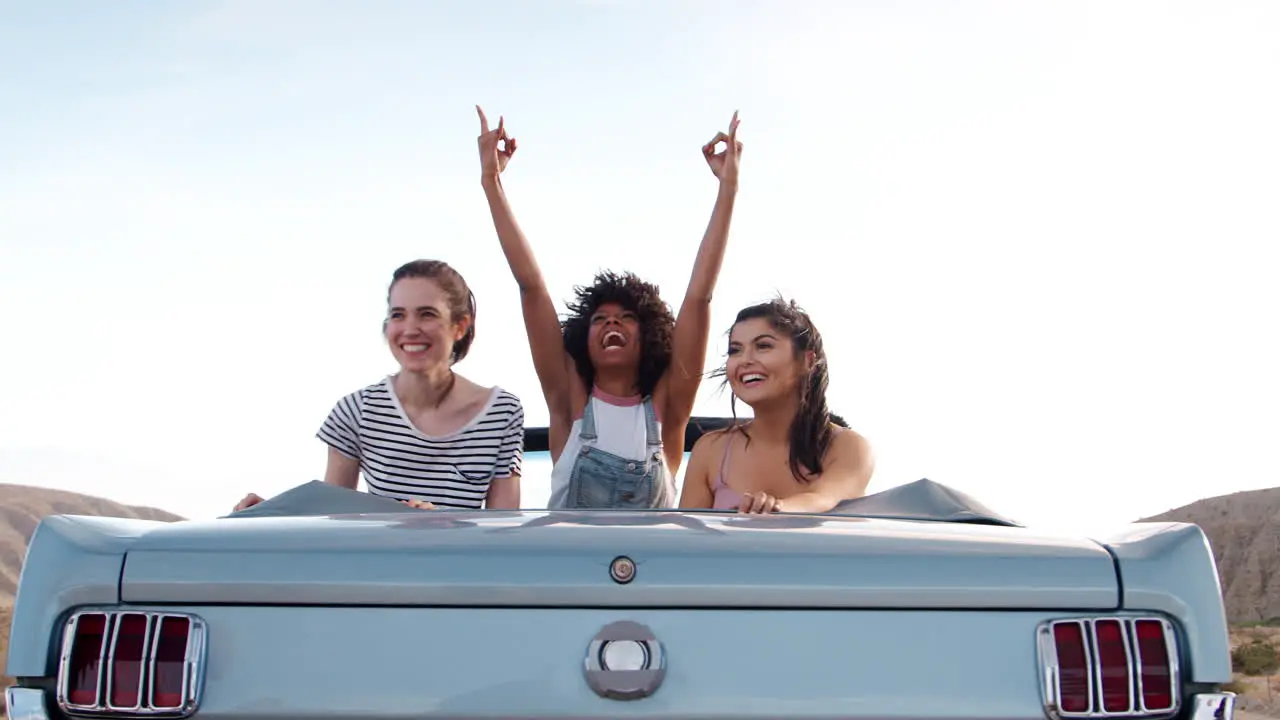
{"points": [[193, 666], [1051, 669], [65, 678]]}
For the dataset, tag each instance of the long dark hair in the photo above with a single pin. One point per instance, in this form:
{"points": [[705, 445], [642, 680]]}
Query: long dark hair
{"points": [[811, 429]]}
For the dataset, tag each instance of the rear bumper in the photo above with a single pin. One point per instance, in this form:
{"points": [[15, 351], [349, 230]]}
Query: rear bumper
{"points": [[1207, 706], [30, 704], [25, 704]]}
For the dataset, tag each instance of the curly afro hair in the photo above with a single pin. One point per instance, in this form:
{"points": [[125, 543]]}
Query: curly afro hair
{"points": [[657, 324]]}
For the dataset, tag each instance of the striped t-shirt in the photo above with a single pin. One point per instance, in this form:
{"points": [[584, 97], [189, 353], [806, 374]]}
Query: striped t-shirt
{"points": [[401, 462]]}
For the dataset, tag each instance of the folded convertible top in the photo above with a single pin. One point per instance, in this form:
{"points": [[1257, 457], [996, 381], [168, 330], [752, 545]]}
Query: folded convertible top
{"points": [[920, 500], [923, 499]]}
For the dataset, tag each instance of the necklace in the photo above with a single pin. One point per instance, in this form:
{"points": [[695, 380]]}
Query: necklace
{"points": [[453, 378], [448, 389]]}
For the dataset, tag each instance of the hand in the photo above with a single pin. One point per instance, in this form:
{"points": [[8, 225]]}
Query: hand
{"points": [[419, 504], [493, 159], [724, 164], [249, 501], [759, 502]]}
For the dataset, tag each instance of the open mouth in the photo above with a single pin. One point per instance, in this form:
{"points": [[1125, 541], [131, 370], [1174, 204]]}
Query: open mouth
{"points": [[751, 379], [414, 348], [613, 340]]}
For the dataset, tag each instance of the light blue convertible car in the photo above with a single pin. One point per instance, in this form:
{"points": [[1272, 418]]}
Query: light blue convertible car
{"points": [[328, 604]]}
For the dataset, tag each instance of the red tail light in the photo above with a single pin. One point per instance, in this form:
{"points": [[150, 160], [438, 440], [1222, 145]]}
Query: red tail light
{"points": [[168, 674], [128, 648], [1109, 667], [1155, 675], [1073, 667], [82, 665], [1113, 666], [131, 664]]}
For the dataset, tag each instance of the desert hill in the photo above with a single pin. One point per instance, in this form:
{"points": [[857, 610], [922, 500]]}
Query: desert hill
{"points": [[1244, 532], [21, 508]]}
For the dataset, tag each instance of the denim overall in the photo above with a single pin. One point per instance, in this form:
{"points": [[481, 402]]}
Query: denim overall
{"points": [[600, 479]]}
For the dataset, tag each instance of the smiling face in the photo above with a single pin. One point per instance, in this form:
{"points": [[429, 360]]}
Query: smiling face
{"points": [[762, 363], [613, 339], [420, 329]]}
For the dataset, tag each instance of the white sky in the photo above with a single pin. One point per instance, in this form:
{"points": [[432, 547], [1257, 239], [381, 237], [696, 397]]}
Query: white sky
{"points": [[1039, 237]]}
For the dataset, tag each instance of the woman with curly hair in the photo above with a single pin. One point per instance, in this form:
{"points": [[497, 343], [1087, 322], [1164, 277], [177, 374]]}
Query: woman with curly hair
{"points": [[794, 455], [619, 373]]}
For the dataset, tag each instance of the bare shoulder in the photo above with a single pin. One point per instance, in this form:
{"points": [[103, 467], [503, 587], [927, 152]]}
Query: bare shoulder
{"points": [[713, 440], [708, 447], [849, 444], [702, 459], [472, 388], [469, 394]]}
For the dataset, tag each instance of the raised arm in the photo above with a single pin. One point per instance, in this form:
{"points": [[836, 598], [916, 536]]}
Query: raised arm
{"points": [[552, 364], [679, 387]]}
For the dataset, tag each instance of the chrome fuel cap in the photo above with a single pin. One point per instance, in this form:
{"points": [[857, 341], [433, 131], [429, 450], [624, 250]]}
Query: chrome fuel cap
{"points": [[623, 655], [624, 661]]}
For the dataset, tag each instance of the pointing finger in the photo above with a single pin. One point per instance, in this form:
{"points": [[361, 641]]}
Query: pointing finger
{"points": [[733, 125], [484, 121]]}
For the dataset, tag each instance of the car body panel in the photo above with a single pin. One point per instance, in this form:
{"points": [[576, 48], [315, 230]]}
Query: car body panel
{"points": [[1168, 567], [408, 663], [561, 559], [71, 561], [318, 613]]}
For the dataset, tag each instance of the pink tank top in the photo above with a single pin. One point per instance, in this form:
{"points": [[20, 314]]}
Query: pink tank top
{"points": [[723, 496]]}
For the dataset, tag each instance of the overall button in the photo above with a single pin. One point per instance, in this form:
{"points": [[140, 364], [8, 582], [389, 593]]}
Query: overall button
{"points": [[583, 450], [631, 466]]}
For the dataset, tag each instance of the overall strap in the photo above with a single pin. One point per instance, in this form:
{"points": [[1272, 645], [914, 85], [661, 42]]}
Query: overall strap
{"points": [[588, 429], [652, 436]]}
